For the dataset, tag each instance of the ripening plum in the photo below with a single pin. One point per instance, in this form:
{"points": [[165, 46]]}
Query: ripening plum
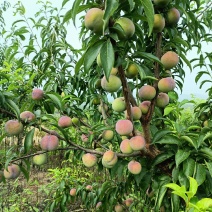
{"points": [[125, 147], [112, 85], [147, 92], [144, 106], [94, 20], [169, 60], [166, 84], [137, 142], [131, 71], [73, 192], [124, 127], [13, 127], [27, 116], [119, 104], [119, 208], [109, 159], [135, 112], [89, 160], [128, 202], [127, 28], [108, 135], [159, 23], [162, 100], [49, 142], [172, 17], [40, 159], [64, 122], [37, 94], [134, 167], [12, 172]]}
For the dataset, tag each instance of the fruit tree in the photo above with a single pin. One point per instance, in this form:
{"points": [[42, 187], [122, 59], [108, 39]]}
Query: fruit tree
{"points": [[111, 105]]}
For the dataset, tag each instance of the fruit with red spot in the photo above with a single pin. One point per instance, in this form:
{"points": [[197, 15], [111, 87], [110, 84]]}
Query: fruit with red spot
{"points": [[64, 122], [13, 127], [37, 94], [134, 167], [124, 127], [137, 142], [27, 116], [49, 142], [12, 171], [162, 100], [147, 92], [169, 60], [89, 160]]}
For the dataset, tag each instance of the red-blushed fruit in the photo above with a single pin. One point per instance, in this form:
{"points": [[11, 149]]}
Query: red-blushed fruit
{"points": [[89, 188], [84, 138], [12, 172], [162, 100], [27, 116], [128, 202], [169, 60], [112, 85], [137, 142], [127, 28], [119, 208], [134, 167], [40, 159], [147, 92], [135, 112], [119, 104], [73, 192], [144, 106], [98, 205], [89, 160], [49, 142], [172, 17], [37, 94], [108, 135], [13, 127], [132, 71], [124, 127], [94, 20], [166, 84], [109, 159], [64, 122], [125, 147], [159, 23]]}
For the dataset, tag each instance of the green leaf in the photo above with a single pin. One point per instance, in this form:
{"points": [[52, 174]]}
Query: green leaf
{"points": [[160, 134], [168, 139], [75, 9], [204, 204], [186, 138], [111, 6], [175, 202], [200, 173], [28, 142], [173, 186], [180, 156], [25, 172], [209, 166], [168, 110], [14, 107], [79, 64], [64, 2], [107, 58], [193, 186], [188, 167], [132, 4], [91, 54], [162, 157], [149, 12], [56, 99], [145, 55]]}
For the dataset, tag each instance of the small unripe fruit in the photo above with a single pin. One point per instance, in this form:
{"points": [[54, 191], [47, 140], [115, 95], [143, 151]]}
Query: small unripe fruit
{"points": [[127, 28], [144, 106], [134, 167], [118, 208], [137, 142], [128, 202], [94, 20], [27, 116], [162, 100], [170, 59], [132, 71], [124, 127], [135, 112], [39, 159], [172, 17], [37, 94], [89, 160], [112, 85], [13, 127], [49, 142], [166, 84], [89, 187], [12, 172], [84, 138], [73, 192], [147, 92], [108, 135], [125, 147], [98, 205], [159, 23], [75, 121], [119, 104], [64, 122]]}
